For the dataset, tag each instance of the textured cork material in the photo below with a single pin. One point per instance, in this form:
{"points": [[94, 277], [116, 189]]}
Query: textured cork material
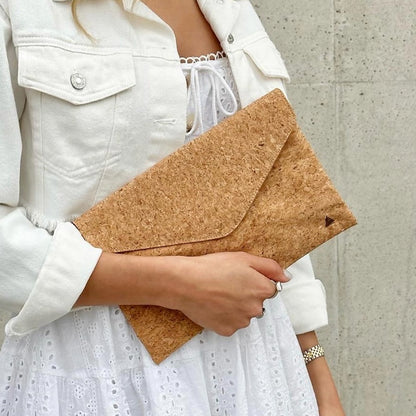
{"points": [[251, 183]]}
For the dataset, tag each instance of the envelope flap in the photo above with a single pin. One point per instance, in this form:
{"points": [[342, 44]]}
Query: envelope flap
{"points": [[200, 192]]}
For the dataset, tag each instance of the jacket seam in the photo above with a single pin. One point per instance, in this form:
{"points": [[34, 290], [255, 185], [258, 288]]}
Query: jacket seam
{"points": [[42, 150], [95, 50], [91, 97], [72, 47], [79, 172], [106, 162], [5, 12]]}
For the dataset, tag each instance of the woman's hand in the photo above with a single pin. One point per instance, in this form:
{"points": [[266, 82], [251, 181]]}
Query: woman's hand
{"points": [[223, 291], [220, 291]]}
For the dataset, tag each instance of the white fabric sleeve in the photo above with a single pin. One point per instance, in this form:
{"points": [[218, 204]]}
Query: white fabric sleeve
{"points": [[41, 274], [305, 298]]}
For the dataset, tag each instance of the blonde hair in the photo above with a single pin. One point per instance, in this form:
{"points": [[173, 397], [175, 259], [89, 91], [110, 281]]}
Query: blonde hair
{"points": [[74, 7]]}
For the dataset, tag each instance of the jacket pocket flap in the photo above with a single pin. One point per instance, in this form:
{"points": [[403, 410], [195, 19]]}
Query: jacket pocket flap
{"points": [[200, 192], [77, 77], [267, 58]]}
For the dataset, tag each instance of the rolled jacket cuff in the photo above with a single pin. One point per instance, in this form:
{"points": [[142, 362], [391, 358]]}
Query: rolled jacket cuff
{"points": [[67, 267], [306, 305]]}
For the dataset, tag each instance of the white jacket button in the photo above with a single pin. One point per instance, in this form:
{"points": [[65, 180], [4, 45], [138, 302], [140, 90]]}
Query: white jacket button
{"points": [[230, 38], [78, 81]]}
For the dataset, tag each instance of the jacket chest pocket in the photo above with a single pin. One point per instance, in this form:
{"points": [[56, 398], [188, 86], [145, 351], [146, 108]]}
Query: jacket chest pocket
{"points": [[258, 68], [79, 106]]}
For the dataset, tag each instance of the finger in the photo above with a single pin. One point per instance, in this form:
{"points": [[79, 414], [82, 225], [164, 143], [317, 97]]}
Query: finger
{"points": [[273, 289], [269, 268], [277, 288]]}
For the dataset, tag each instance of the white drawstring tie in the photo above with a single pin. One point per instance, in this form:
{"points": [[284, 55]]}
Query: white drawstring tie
{"points": [[194, 94]]}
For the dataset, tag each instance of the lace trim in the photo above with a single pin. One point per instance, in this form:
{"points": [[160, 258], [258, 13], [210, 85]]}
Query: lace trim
{"points": [[202, 78], [203, 58]]}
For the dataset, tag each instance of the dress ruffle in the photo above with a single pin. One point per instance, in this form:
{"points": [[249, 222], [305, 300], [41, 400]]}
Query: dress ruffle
{"points": [[90, 363]]}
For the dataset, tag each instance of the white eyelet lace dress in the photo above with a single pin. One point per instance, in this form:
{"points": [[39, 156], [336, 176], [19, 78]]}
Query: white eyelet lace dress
{"points": [[90, 362]]}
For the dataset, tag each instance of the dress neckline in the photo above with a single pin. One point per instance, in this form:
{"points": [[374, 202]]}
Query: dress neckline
{"points": [[213, 56]]}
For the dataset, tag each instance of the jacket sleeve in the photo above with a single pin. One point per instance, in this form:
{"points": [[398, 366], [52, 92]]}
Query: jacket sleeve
{"points": [[41, 274], [305, 298]]}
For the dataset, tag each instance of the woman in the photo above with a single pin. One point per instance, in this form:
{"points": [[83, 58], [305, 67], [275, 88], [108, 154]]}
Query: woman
{"points": [[82, 113]]}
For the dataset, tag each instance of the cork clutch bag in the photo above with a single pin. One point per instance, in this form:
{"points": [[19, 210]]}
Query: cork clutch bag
{"points": [[251, 183]]}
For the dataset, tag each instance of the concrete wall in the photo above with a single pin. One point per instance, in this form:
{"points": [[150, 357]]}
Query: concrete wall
{"points": [[353, 68]]}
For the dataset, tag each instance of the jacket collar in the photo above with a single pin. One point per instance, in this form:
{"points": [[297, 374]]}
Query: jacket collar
{"points": [[220, 14]]}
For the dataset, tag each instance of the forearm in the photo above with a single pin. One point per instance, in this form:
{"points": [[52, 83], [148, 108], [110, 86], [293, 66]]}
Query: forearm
{"points": [[205, 288], [323, 384], [132, 280]]}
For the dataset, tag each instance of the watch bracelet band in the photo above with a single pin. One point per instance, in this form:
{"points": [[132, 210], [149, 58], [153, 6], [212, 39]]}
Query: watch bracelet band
{"points": [[313, 353]]}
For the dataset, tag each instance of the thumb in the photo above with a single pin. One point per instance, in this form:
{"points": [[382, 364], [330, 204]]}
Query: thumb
{"points": [[269, 268]]}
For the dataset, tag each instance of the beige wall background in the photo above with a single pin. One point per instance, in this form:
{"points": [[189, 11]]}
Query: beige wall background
{"points": [[353, 69]]}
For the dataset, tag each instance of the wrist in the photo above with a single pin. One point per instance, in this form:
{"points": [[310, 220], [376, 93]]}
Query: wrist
{"points": [[331, 410], [183, 285], [166, 277], [323, 384]]}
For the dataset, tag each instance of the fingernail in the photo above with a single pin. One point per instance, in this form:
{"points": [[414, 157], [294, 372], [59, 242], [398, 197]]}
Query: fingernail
{"points": [[288, 274]]}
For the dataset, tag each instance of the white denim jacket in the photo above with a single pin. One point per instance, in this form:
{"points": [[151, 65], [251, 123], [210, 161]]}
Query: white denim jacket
{"points": [[78, 119]]}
